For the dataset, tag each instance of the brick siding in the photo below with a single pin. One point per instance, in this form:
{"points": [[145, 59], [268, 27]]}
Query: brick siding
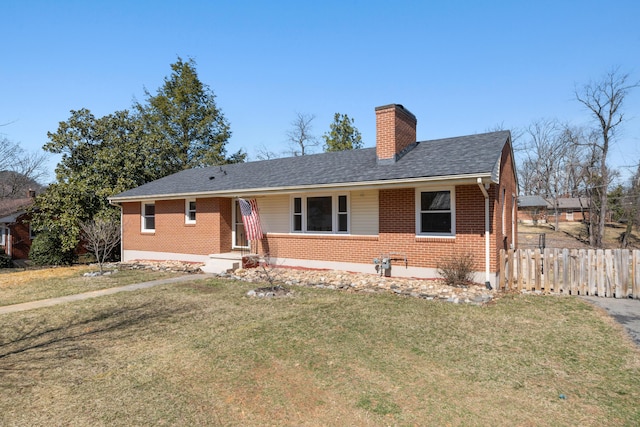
{"points": [[395, 130], [210, 234]]}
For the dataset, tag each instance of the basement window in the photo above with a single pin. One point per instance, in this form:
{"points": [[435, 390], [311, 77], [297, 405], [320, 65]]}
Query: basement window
{"points": [[320, 214], [435, 212]]}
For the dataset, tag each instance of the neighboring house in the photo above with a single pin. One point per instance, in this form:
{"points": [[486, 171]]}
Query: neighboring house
{"points": [[533, 209], [569, 209], [15, 232], [416, 203]]}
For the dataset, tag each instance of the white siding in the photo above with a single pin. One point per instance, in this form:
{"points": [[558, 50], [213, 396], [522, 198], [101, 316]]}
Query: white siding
{"points": [[364, 212], [274, 213]]}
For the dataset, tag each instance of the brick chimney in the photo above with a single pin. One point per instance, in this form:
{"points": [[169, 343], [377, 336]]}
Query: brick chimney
{"points": [[395, 132]]}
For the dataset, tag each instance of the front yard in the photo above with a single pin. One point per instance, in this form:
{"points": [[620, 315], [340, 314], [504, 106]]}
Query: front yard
{"points": [[203, 353]]}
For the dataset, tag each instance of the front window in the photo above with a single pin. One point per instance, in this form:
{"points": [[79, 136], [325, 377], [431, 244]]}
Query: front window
{"points": [[190, 212], [148, 217], [435, 213], [320, 214]]}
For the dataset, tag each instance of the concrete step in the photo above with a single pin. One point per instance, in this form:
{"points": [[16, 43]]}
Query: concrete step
{"points": [[221, 263]]}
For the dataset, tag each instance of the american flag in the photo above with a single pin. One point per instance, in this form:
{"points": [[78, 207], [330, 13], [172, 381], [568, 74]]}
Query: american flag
{"points": [[251, 219]]}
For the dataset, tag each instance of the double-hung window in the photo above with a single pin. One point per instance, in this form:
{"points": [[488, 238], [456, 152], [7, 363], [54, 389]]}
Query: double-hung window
{"points": [[148, 216], [320, 214], [190, 211], [435, 212]]}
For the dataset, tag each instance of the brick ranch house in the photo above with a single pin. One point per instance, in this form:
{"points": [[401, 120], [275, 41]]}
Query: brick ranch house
{"points": [[15, 231], [416, 202]]}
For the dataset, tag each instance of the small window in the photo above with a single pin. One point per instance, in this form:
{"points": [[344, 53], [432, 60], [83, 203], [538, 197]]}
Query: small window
{"points": [[190, 212], [343, 215], [297, 214], [435, 213], [148, 217]]}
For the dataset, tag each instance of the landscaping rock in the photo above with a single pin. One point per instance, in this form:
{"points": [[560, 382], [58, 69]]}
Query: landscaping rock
{"points": [[429, 289], [169, 266]]}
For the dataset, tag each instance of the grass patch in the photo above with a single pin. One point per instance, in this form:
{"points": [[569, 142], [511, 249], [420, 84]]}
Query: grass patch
{"points": [[36, 284], [203, 353]]}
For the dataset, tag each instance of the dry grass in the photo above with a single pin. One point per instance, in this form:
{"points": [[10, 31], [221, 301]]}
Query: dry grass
{"points": [[573, 235], [203, 353], [36, 284]]}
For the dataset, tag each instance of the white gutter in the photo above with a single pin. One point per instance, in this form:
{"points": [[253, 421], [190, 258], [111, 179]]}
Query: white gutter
{"points": [[487, 229]]}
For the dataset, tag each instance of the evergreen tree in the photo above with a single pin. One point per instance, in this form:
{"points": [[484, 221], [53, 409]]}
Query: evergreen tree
{"points": [[343, 135], [184, 123], [179, 128]]}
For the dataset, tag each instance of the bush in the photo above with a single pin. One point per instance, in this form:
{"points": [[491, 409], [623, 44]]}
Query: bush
{"points": [[5, 260], [46, 249], [457, 270]]}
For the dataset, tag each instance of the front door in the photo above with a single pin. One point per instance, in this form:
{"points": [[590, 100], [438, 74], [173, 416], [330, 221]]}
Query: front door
{"points": [[239, 236]]}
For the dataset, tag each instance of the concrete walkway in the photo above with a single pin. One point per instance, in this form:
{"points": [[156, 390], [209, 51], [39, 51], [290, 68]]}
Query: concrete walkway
{"points": [[93, 294]]}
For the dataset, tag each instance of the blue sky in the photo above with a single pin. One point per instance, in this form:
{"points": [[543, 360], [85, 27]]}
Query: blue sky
{"points": [[461, 67]]}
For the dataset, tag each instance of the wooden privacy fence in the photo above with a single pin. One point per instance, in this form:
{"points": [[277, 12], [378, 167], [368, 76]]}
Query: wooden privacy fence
{"points": [[605, 273]]}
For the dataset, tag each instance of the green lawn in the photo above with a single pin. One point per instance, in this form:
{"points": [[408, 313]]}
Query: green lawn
{"points": [[202, 353]]}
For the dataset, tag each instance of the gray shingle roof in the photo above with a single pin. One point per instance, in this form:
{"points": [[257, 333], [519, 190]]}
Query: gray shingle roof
{"points": [[571, 202], [533, 202], [467, 155]]}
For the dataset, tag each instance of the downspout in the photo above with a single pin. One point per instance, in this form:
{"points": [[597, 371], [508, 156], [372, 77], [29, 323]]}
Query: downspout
{"points": [[487, 229], [121, 229]]}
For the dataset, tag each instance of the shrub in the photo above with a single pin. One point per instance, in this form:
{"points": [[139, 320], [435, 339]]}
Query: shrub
{"points": [[5, 260], [46, 249], [457, 270]]}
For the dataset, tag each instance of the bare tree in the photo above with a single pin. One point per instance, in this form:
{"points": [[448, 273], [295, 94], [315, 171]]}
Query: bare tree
{"points": [[300, 138], [20, 170], [603, 99], [101, 237], [263, 153]]}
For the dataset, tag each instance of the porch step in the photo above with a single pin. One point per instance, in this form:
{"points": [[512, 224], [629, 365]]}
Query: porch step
{"points": [[221, 263]]}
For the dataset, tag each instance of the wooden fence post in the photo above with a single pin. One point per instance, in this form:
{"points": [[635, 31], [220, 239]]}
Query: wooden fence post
{"points": [[600, 276]]}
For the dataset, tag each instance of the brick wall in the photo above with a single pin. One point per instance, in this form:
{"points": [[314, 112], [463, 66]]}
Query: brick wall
{"points": [[210, 234], [508, 188]]}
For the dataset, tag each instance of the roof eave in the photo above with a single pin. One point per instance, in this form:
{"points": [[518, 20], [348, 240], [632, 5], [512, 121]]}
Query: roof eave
{"points": [[381, 184]]}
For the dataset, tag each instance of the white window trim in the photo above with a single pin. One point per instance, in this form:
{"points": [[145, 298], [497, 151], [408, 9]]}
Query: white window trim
{"points": [[334, 213], [3, 234], [187, 220], [142, 216], [452, 191]]}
